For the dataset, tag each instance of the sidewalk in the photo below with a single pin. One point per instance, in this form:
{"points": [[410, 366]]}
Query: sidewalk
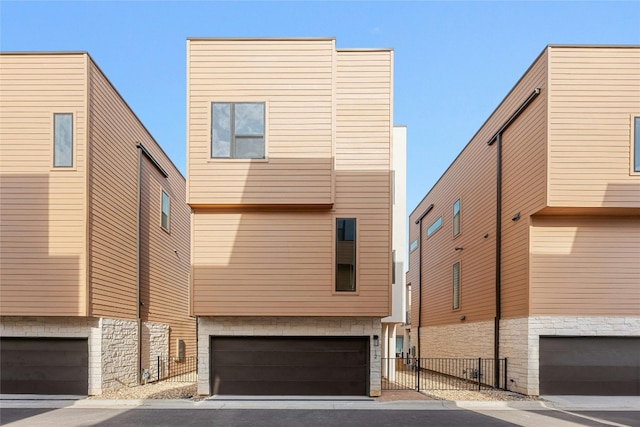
{"points": [[601, 403]]}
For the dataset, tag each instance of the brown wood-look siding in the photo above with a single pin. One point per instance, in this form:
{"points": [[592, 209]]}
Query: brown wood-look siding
{"points": [[585, 266], [592, 93], [270, 261], [43, 209], [164, 257], [472, 179], [295, 80]]}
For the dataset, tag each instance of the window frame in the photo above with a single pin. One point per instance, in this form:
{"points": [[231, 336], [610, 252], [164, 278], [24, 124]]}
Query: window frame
{"points": [[433, 227], [355, 274], [168, 213], [455, 286], [233, 136], [412, 247], [457, 218], [634, 158], [72, 142]]}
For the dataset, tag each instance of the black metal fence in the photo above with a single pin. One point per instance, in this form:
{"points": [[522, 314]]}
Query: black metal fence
{"points": [[178, 370], [443, 374]]}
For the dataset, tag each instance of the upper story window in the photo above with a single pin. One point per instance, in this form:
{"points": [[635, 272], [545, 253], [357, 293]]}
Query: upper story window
{"points": [[63, 140], [166, 210], [345, 254], [413, 246], [636, 144], [434, 226], [456, 286], [237, 130], [456, 217]]}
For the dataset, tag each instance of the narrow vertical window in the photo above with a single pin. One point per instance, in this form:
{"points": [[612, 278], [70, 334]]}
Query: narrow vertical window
{"points": [[63, 140], [456, 286], [393, 267], [636, 144], [456, 217], [165, 211], [345, 254]]}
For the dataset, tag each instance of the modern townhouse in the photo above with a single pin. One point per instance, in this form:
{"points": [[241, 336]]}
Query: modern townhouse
{"points": [[289, 182], [94, 234], [528, 246]]}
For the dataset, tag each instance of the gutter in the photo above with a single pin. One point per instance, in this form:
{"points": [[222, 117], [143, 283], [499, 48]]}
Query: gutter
{"points": [[497, 139]]}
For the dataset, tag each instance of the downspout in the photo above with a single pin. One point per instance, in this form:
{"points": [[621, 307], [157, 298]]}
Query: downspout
{"points": [[497, 138], [138, 278], [419, 222]]}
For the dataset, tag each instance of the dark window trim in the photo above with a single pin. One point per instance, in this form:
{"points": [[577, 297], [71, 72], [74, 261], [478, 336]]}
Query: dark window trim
{"points": [[455, 284], [457, 215], [354, 272], [162, 213]]}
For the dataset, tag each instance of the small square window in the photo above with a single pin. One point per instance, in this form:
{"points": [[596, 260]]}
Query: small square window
{"points": [[63, 140], [237, 130], [166, 210]]}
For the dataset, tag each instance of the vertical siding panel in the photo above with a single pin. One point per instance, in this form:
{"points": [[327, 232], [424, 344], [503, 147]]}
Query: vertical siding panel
{"points": [[42, 232], [593, 91], [585, 266]]}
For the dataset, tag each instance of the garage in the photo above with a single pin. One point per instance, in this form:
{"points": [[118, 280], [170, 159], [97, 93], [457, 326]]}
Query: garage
{"points": [[321, 366], [44, 366], [606, 366]]}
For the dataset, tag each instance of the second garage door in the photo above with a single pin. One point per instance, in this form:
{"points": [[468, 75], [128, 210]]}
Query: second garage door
{"points": [[321, 366], [44, 366], [590, 366]]}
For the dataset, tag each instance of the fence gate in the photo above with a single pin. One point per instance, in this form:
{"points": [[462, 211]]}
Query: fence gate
{"points": [[443, 374]]}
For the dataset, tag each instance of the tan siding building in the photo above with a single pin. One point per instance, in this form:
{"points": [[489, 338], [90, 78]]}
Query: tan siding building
{"points": [[289, 164], [549, 200], [87, 265]]}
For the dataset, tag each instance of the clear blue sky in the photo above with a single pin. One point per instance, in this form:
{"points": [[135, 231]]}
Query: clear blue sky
{"points": [[454, 61]]}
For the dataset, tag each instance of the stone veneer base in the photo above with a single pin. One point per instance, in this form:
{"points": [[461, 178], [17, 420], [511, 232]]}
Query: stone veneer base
{"points": [[287, 326]]}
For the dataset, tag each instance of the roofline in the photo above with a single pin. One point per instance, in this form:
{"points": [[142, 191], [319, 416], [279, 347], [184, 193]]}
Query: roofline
{"points": [[262, 38], [61, 52], [375, 49], [136, 117], [609, 46]]}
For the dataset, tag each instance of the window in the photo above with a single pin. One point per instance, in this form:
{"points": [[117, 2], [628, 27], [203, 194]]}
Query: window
{"points": [[237, 130], [393, 267], [456, 286], [434, 226], [413, 246], [345, 254], [164, 222], [456, 217], [63, 140], [636, 144]]}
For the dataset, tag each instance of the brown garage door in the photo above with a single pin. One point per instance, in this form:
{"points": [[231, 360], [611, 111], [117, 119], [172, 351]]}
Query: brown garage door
{"points": [[325, 366], [607, 366], [44, 366]]}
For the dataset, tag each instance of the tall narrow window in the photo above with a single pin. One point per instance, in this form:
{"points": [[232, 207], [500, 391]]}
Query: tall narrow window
{"points": [[393, 267], [237, 130], [636, 144], [63, 140], [165, 211], [456, 217], [345, 254], [456, 286]]}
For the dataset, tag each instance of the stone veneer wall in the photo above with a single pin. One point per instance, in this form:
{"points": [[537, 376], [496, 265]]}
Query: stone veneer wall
{"points": [[119, 353], [571, 326], [61, 327], [287, 326], [464, 339], [155, 342]]}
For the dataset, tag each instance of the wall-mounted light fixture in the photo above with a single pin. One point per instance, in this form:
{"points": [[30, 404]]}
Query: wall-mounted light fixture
{"points": [[486, 235], [376, 341], [515, 217], [463, 318], [459, 248]]}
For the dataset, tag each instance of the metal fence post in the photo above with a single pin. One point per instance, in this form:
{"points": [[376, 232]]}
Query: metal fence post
{"points": [[158, 368], [418, 375], [479, 372], [505, 373]]}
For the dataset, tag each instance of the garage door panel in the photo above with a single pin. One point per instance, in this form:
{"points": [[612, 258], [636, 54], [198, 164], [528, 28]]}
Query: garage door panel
{"points": [[289, 365], [44, 365], [590, 365]]}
